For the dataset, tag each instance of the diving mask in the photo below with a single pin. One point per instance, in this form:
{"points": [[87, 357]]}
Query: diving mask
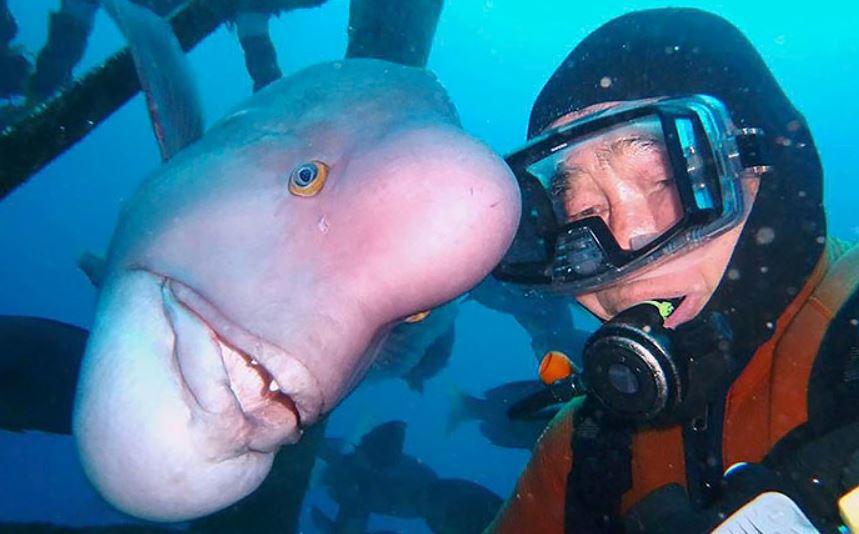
{"points": [[619, 190]]}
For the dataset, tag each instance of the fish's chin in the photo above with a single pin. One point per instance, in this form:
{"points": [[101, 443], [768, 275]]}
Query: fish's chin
{"points": [[171, 421]]}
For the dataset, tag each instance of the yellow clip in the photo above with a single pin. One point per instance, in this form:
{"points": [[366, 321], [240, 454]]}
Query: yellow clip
{"points": [[848, 507]]}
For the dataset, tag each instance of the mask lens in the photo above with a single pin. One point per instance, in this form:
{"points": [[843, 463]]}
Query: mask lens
{"points": [[622, 174]]}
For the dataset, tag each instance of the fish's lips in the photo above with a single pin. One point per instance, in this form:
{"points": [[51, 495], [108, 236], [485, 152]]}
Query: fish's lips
{"points": [[230, 370]]}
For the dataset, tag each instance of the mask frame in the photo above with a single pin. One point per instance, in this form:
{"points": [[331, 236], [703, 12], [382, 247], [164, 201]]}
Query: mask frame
{"points": [[708, 157]]}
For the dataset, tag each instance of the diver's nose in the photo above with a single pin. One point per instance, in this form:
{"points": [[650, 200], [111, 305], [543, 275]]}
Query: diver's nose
{"points": [[633, 225]]}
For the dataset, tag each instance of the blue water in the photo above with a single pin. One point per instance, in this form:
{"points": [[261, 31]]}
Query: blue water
{"points": [[493, 57]]}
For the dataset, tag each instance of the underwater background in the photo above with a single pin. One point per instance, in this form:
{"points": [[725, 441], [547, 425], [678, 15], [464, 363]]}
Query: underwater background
{"points": [[492, 56]]}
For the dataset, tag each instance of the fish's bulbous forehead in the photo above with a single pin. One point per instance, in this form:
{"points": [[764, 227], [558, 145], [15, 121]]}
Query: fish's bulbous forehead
{"points": [[375, 93]]}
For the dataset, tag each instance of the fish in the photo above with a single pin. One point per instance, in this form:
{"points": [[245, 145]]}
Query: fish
{"points": [[417, 351], [434, 360], [491, 412], [252, 278], [377, 477], [459, 506], [39, 364], [448, 506]]}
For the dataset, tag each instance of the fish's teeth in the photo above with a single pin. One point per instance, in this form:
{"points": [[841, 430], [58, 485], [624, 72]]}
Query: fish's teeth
{"points": [[273, 386]]}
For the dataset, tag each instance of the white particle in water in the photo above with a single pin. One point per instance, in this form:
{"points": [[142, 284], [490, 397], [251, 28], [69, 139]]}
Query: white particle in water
{"points": [[765, 235]]}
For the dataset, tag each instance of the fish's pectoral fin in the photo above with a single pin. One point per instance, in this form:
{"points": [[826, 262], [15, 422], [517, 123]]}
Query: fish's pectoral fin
{"points": [[93, 266]]}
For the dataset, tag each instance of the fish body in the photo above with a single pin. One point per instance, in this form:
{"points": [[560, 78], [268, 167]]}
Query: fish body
{"points": [[416, 352], [378, 477], [458, 506], [491, 413], [375, 477], [239, 304]]}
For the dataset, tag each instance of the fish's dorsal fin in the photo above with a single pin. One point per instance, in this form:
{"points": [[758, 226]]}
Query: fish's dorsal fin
{"points": [[165, 77]]}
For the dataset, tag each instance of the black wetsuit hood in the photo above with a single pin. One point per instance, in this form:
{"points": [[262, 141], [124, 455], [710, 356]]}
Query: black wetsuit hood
{"points": [[665, 52]]}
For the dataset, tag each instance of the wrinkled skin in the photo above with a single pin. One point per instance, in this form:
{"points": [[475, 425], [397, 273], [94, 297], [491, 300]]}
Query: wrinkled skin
{"points": [[219, 280]]}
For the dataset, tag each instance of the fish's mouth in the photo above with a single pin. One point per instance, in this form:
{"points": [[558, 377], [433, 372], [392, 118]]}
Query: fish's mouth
{"points": [[234, 374]]}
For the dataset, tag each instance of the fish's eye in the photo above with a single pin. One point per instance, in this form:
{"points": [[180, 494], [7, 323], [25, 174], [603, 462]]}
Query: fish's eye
{"points": [[417, 317], [308, 178]]}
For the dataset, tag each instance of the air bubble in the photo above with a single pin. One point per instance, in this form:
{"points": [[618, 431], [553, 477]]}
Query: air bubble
{"points": [[765, 235], [605, 82]]}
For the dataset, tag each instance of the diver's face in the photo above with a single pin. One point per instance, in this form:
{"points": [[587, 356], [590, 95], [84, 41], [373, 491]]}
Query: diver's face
{"points": [[625, 179]]}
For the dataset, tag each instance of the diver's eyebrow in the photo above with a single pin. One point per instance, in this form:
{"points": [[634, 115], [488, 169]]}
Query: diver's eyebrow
{"points": [[626, 143], [564, 173]]}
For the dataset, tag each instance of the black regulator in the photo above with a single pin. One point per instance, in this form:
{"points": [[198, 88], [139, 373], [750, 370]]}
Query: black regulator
{"points": [[639, 370], [630, 365]]}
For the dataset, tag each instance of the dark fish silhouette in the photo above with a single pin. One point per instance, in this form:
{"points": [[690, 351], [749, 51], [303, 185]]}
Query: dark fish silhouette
{"points": [[416, 352], [547, 318], [490, 412], [457, 506], [39, 364], [376, 477]]}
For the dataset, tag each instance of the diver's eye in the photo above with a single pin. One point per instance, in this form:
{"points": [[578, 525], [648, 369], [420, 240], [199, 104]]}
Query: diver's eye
{"points": [[308, 178], [417, 317]]}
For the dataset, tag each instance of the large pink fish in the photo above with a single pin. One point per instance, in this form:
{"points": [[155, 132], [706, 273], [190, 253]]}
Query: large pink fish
{"points": [[252, 276]]}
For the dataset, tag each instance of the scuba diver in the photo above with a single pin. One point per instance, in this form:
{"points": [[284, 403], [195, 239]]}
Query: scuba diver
{"points": [[70, 27], [671, 187]]}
